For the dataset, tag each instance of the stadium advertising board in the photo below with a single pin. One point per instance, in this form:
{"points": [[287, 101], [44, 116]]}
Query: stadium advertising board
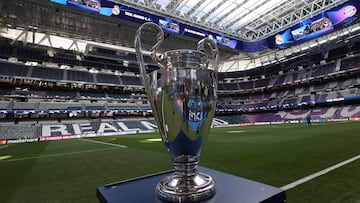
{"points": [[316, 26], [319, 25], [25, 140], [72, 113], [109, 8]]}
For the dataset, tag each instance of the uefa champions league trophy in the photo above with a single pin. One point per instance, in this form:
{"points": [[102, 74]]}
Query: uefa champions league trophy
{"points": [[182, 95]]}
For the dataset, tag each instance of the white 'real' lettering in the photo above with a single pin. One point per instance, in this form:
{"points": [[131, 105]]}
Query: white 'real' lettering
{"points": [[86, 128], [148, 125], [48, 130], [77, 129], [125, 128], [107, 127]]}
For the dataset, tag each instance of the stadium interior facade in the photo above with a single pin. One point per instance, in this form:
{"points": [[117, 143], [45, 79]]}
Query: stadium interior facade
{"points": [[65, 71]]}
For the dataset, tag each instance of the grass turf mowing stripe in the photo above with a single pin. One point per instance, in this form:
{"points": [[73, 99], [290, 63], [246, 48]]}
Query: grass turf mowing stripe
{"points": [[60, 154], [105, 143], [317, 174]]}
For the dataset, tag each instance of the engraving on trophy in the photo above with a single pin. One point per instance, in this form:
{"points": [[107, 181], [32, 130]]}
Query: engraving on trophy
{"points": [[182, 95]]}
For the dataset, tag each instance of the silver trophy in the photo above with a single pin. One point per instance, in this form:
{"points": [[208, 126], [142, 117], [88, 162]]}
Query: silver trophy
{"points": [[182, 95]]}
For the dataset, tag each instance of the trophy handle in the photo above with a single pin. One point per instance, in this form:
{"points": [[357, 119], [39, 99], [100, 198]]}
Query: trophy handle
{"points": [[140, 58], [138, 48], [213, 53]]}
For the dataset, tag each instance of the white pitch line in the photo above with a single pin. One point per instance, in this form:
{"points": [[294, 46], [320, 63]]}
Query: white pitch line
{"points": [[105, 143], [322, 172], [60, 154], [3, 146]]}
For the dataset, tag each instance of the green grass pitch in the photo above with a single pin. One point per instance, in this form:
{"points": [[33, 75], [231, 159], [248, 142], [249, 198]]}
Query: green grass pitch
{"points": [[71, 170]]}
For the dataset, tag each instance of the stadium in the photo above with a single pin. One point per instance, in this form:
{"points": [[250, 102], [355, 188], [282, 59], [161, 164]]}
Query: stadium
{"points": [[74, 114]]}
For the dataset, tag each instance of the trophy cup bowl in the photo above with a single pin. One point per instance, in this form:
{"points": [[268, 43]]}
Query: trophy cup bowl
{"points": [[182, 95]]}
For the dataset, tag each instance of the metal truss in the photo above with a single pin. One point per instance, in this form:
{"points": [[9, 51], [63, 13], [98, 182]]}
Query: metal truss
{"points": [[286, 14], [34, 37]]}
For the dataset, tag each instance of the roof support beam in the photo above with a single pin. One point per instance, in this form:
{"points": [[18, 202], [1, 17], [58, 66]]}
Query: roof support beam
{"points": [[173, 5], [195, 7]]}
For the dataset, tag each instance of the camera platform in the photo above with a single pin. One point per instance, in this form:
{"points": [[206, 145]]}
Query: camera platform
{"points": [[229, 188]]}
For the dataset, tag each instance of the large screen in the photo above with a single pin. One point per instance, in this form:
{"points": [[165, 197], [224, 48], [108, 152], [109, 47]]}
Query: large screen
{"points": [[316, 26], [109, 8]]}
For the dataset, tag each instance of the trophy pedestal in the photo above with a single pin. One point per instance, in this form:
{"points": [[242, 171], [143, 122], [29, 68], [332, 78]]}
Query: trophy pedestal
{"points": [[229, 188], [180, 187]]}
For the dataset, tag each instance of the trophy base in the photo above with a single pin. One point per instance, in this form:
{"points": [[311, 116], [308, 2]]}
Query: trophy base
{"points": [[180, 187], [229, 189]]}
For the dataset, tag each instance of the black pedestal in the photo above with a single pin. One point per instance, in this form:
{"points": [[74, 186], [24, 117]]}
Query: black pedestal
{"points": [[229, 189]]}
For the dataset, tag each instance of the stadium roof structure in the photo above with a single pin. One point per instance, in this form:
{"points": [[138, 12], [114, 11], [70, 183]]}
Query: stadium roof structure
{"points": [[247, 20]]}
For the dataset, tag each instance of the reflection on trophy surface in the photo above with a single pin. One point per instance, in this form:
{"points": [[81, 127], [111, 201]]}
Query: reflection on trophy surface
{"points": [[182, 95]]}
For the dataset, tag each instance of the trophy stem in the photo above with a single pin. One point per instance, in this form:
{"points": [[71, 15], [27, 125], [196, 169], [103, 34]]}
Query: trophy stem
{"points": [[186, 168], [186, 184]]}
